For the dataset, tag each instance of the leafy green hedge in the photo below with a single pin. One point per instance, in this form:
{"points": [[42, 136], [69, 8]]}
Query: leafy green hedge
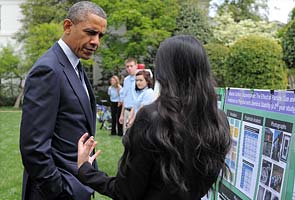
{"points": [[218, 54], [256, 62], [288, 44], [7, 100]]}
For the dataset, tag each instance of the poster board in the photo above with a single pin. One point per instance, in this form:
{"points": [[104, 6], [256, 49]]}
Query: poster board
{"points": [[262, 130], [220, 97]]}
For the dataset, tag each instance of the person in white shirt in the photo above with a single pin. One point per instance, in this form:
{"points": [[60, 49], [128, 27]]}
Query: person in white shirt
{"points": [[146, 94], [128, 94], [116, 105]]}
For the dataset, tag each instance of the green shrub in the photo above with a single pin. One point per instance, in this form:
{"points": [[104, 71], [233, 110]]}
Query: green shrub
{"points": [[256, 62], [288, 44], [8, 93], [7, 100], [217, 54]]}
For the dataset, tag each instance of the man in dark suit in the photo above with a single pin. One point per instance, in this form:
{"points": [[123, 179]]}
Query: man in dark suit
{"points": [[59, 107]]}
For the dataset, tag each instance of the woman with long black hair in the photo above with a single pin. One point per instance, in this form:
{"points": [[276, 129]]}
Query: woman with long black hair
{"points": [[177, 145]]}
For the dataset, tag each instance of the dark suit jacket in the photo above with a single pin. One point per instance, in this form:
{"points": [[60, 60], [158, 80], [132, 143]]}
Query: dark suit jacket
{"points": [[56, 112], [142, 179]]}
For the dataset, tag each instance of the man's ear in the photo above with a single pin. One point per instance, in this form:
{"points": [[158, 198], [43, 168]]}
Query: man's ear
{"points": [[67, 26]]}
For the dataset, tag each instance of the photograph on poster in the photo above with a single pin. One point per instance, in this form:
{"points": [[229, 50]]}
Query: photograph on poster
{"points": [[267, 144], [230, 160], [225, 193], [276, 178], [260, 193], [285, 147], [274, 197], [265, 172], [267, 195], [276, 145]]}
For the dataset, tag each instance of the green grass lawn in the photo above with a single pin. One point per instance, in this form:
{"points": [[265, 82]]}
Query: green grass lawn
{"points": [[11, 167]]}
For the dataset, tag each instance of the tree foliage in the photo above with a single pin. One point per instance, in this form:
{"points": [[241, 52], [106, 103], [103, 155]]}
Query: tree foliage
{"points": [[256, 62], [288, 44], [9, 61], [227, 30], [244, 9], [9, 69], [37, 12], [192, 21], [41, 38], [135, 28], [292, 15], [218, 54]]}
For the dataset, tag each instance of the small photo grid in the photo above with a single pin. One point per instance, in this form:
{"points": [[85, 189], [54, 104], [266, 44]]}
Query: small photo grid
{"points": [[271, 180], [264, 194], [276, 145]]}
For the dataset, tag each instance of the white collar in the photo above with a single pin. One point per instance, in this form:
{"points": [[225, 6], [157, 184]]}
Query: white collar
{"points": [[74, 60]]}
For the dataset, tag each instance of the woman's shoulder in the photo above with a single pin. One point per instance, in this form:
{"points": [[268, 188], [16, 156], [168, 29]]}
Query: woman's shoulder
{"points": [[149, 90], [150, 93]]}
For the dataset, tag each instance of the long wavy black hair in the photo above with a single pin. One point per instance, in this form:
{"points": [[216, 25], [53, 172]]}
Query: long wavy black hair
{"points": [[189, 133]]}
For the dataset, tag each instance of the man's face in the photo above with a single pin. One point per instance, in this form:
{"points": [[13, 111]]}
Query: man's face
{"points": [[131, 68], [84, 37]]}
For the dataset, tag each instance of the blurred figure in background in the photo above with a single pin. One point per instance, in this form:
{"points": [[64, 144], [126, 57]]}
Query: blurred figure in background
{"points": [[116, 105]]}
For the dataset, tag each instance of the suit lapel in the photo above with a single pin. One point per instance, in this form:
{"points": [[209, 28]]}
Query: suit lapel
{"points": [[92, 99], [78, 88]]}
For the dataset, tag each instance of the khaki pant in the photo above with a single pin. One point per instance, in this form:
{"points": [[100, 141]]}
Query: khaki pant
{"points": [[126, 115]]}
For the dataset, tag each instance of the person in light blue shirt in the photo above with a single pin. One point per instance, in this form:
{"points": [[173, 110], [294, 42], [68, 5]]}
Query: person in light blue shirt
{"points": [[146, 94], [128, 94], [116, 105]]}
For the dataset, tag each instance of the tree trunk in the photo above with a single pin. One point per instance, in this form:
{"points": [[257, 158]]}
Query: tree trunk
{"points": [[292, 81], [20, 95]]}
